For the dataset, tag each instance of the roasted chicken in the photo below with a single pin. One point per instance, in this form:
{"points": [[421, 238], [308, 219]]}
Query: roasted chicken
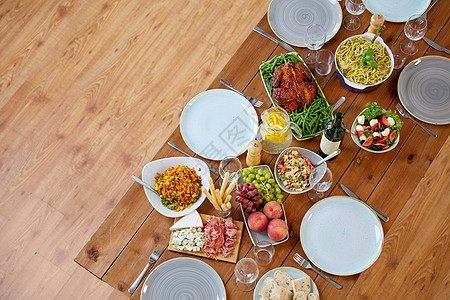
{"points": [[293, 86]]}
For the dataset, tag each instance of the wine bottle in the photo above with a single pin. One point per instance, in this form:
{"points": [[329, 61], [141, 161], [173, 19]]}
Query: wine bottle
{"points": [[332, 135]]}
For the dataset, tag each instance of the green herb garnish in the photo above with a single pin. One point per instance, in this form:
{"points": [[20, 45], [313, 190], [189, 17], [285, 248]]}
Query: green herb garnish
{"points": [[367, 58]]}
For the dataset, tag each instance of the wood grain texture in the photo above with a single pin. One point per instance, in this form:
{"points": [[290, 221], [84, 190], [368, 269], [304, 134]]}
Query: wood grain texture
{"points": [[84, 89]]}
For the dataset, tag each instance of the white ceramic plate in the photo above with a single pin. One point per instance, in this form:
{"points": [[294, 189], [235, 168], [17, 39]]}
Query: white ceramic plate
{"points": [[293, 272], [159, 166], [398, 10], [356, 140], [289, 19], [218, 123], [341, 235], [313, 158], [183, 278], [261, 236], [424, 89]]}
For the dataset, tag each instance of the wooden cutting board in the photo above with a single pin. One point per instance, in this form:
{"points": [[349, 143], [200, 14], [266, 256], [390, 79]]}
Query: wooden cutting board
{"points": [[232, 258]]}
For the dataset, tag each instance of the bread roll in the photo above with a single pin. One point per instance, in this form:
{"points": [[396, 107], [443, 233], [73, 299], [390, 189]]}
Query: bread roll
{"points": [[301, 284], [283, 279]]}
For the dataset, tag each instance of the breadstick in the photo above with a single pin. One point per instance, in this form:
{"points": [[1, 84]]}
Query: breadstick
{"points": [[218, 198], [228, 205], [224, 184], [224, 207], [211, 199], [227, 199], [212, 189], [230, 187]]}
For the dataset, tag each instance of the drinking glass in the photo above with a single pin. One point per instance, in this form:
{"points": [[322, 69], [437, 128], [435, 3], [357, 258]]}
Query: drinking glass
{"points": [[315, 38], [355, 8], [231, 165], [264, 251], [246, 272], [414, 30], [324, 62], [320, 180]]}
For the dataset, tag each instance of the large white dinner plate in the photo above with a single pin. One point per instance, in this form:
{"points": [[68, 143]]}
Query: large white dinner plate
{"points": [[183, 278], [218, 123], [341, 235], [398, 10], [289, 19], [424, 89], [293, 272], [159, 166]]}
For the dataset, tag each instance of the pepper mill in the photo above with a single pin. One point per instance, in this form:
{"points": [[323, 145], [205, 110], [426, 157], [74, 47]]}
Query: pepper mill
{"points": [[253, 153], [375, 22]]}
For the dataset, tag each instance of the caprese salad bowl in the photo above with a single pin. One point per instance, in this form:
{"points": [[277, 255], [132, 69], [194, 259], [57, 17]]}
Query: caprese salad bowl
{"points": [[376, 130]]}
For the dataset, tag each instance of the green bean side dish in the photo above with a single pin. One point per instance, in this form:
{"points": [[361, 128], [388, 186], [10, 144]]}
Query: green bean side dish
{"points": [[312, 119]]}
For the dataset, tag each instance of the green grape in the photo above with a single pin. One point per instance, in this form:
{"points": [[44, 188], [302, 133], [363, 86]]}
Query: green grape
{"points": [[277, 190], [268, 185], [279, 196], [258, 186], [280, 201], [258, 177], [251, 176], [260, 172], [268, 176], [271, 180]]}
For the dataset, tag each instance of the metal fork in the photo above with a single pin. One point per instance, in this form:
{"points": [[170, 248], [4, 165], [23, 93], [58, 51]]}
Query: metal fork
{"points": [[153, 258], [307, 265], [252, 100], [406, 114]]}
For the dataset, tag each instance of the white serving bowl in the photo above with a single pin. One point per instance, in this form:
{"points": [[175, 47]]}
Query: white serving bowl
{"points": [[361, 88], [313, 158], [159, 166], [355, 137]]}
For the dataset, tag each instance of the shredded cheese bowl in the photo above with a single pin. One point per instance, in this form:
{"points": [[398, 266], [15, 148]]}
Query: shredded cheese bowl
{"points": [[363, 88]]}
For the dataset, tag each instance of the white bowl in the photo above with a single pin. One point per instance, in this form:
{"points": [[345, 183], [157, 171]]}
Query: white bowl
{"points": [[159, 166], [355, 137], [313, 158], [361, 88]]}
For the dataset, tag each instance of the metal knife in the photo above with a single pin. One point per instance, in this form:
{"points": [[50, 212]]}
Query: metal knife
{"points": [[281, 43], [338, 103], [211, 168], [380, 215], [435, 46]]}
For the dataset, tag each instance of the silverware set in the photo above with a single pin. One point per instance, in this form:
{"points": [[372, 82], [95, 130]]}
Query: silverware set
{"points": [[153, 258], [406, 114], [307, 265]]}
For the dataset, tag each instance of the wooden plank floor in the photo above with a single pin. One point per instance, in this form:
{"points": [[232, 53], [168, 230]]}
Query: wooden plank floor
{"points": [[84, 89]]}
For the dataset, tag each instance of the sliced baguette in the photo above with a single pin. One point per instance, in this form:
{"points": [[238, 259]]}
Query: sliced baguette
{"points": [[268, 288], [301, 295], [282, 293], [312, 296], [283, 279], [301, 284]]}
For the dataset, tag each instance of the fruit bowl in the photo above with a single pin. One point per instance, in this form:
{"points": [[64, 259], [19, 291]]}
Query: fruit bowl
{"points": [[261, 236], [313, 158]]}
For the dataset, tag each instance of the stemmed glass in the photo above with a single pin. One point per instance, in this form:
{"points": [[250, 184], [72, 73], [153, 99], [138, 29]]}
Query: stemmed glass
{"points": [[315, 38], [320, 180], [414, 30], [355, 8]]}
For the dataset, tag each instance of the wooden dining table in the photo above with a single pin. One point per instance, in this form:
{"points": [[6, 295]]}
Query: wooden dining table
{"points": [[410, 184]]}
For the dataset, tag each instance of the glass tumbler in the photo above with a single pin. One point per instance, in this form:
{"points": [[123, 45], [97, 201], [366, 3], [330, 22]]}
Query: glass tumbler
{"points": [[324, 62], [231, 165], [246, 272], [320, 180], [264, 251]]}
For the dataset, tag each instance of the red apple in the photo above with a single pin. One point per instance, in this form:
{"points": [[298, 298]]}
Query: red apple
{"points": [[277, 230], [273, 210], [257, 221]]}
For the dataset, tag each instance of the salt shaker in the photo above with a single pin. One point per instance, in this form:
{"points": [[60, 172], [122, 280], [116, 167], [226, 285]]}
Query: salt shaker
{"points": [[375, 22], [254, 153]]}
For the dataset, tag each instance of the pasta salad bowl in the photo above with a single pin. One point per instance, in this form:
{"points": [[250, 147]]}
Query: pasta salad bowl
{"points": [[372, 78]]}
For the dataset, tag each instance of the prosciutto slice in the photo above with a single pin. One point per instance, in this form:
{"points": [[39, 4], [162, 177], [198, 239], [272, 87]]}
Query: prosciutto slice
{"points": [[220, 236]]}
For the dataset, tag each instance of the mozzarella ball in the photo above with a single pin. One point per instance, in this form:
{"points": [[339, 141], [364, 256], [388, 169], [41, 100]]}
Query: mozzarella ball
{"points": [[361, 119], [391, 121], [385, 132], [373, 122]]}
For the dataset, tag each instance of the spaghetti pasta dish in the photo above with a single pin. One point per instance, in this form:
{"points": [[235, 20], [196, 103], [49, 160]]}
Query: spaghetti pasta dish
{"points": [[349, 54]]}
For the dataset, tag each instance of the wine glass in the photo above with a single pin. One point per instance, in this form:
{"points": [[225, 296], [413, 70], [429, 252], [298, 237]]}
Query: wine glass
{"points": [[414, 30], [355, 8], [320, 180], [315, 38]]}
